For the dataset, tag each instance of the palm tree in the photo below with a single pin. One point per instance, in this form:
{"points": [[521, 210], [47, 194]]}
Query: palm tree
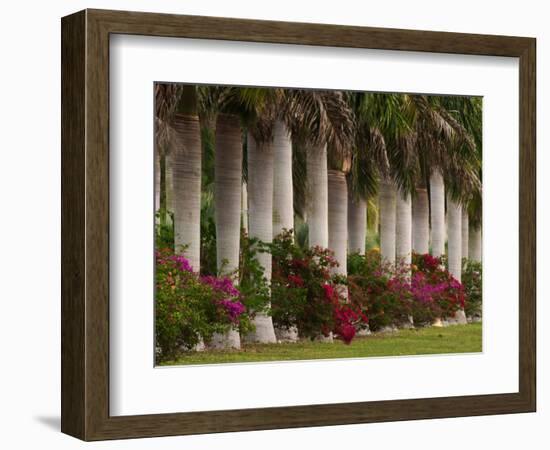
{"points": [[432, 132], [166, 139], [260, 207], [231, 106], [339, 163], [318, 119], [368, 161], [446, 156], [268, 147], [462, 170], [186, 167], [178, 139], [381, 126], [471, 116], [227, 199]]}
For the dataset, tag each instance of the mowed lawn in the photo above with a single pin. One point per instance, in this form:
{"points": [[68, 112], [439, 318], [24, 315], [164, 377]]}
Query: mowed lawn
{"points": [[423, 341]]}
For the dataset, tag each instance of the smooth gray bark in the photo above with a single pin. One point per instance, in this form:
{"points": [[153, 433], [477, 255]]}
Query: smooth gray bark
{"points": [[465, 233], [317, 196], [454, 245], [421, 222], [437, 213], [244, 207], [157, 179], [227, 200], [186, 169], [260, 206], [403, 244], [475, 244], [387, 208], [357, 224], [283, 200], [454, 248], [338, 219], [169, 182]]}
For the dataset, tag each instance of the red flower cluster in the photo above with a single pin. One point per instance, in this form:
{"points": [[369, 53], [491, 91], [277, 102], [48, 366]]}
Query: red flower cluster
{"points": [[347, 321], [431, 262], [347, 318], [295, 280]]}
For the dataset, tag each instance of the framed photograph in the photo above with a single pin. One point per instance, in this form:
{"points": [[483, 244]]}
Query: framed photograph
{"points": [[273, 225]]}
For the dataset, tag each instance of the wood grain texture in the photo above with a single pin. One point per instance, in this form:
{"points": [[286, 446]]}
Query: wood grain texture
{"points": [[85, 224], [73, 109]]}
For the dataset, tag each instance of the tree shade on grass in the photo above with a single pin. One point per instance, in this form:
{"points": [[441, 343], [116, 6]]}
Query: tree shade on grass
{"points": [[424, 341]]}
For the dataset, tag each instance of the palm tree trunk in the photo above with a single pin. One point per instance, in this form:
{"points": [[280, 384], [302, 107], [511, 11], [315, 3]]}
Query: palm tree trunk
{"points": [[437, 211], [317, 196], [162, 190], [317, 202], [421, 222], [227, 200], [283, 199], [260, 200], [403, 244], [454, 246], [454, 250], [169, 164], [244, 207], [387, 199], [283, 203], [474, 244], [186, 167], [403, 238], [157, 179], [465, 233], [357, 224], [338, 219]]}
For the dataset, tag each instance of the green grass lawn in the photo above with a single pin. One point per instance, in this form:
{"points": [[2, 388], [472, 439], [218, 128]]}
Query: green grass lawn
{"points": [[424, 341]]}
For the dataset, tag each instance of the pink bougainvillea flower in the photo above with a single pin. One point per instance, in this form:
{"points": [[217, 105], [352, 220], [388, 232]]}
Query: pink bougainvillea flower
{"points": [[224, 285]]}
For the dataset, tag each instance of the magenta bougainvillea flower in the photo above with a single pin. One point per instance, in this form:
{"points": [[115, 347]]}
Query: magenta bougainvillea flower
{"points": [[233, 308], [223, 284]]}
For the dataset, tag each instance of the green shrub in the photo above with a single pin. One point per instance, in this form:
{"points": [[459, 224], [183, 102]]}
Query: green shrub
{"points": [[164, 230], [383, 291], [472, 282], [190, 308], [253, 285]]}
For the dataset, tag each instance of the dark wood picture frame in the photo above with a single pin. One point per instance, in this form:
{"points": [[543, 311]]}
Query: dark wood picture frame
{"points": [[85, 224]]}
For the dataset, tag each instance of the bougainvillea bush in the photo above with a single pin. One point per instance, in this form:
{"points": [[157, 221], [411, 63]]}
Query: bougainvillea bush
{"points": [[425, 290], [305, 294], [436, 292], [189, 308], [380, 289]]}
